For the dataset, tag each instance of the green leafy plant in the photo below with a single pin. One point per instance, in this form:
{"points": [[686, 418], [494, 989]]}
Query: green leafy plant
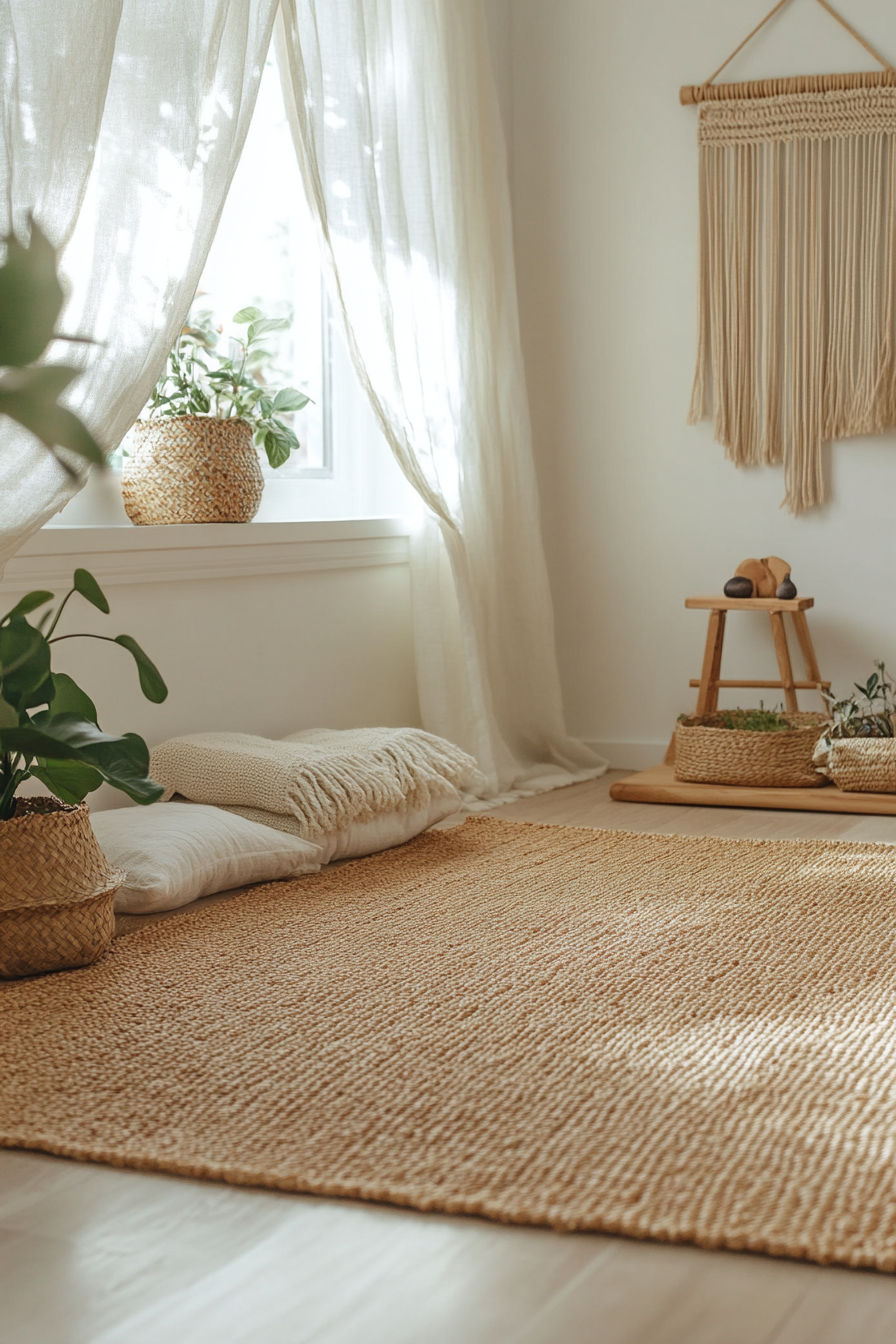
{"points": [[199, 381], [31, 299], [759, 720], [48, 725], [869, 712]]}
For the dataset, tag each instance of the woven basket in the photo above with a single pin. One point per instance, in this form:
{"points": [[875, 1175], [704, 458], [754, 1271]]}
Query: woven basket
{"points": [[192, 469], [56, 889], [860, 764], [708, 753]]}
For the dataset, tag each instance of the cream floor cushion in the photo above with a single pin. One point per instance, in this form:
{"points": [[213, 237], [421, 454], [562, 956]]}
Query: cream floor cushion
{"points": [[352, 791]]}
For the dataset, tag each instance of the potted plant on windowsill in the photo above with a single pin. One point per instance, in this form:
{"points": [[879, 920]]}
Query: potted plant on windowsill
{"points": [[193, 459]]}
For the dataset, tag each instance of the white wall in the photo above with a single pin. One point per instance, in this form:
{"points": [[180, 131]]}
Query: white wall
{"points": [[266, 654], [638, 509]]}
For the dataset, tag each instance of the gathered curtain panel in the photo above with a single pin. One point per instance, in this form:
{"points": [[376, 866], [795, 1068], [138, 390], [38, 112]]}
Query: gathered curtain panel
{"points": [[397, 130], [123, 124], [398, 135]]}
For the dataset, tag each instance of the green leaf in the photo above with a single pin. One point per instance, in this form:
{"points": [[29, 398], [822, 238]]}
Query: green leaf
{"points": [[284, 432], [9, 718], [28, 603], [121, 761], [247, 315], [277, 448], [69, 780], [151, 683], [30, 299], [68, 698], [139, 750], [37, 742], [289, 399], [24, 664], [266, 324], [87, 586], [29, 397]]}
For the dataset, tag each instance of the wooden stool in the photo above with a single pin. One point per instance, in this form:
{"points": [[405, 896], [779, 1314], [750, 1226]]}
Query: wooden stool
{"points": [[710, 683]]}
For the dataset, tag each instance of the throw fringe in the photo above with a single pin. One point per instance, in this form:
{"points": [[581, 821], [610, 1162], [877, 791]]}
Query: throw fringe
{"points": [[326, 779]]}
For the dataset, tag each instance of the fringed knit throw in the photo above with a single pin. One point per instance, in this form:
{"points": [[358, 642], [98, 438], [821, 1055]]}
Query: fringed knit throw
{"points": [[797, 276], [326, 779]]}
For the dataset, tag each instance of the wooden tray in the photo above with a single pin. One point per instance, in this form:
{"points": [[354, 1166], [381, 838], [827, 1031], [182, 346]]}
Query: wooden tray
{"points": [[659, 785]]}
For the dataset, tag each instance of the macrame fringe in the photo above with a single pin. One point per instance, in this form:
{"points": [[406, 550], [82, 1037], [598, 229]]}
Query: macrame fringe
{"points": [[797, 278]]}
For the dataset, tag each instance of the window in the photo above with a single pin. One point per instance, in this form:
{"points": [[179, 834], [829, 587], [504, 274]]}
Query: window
{"points": [[266, 254]]}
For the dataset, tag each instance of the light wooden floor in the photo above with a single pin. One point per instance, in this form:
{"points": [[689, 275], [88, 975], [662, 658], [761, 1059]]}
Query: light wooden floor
{"points": [[88, 1254]]}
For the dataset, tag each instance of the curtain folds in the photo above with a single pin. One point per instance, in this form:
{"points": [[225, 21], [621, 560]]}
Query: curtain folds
{"points": [[129, 175], [398, 136]]}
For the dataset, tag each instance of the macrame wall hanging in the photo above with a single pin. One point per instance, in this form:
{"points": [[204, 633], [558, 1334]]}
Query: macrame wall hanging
{"points": [[797, 265]]}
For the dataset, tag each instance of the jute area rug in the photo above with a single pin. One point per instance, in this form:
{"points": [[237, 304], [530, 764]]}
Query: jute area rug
{"points": [[682, 1038]]}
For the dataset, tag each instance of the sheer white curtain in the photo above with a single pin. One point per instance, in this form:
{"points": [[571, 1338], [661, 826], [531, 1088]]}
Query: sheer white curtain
{"points": [[123, 122], [397, 130]]}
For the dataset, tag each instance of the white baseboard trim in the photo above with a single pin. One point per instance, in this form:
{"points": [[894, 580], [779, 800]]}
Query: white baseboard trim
{"points": [[630, 755]]}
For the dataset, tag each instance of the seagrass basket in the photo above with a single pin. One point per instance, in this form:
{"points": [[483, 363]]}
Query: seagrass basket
{"points": [[859, 764], [706, 752], [191, 469], [56, 889]]}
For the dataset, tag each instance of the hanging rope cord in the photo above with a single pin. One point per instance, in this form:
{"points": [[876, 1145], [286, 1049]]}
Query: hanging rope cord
{"points": [[698, 93]]}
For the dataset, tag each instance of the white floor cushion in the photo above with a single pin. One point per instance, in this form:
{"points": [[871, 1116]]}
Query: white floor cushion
{"points": [[176, 852], [362, 837]]}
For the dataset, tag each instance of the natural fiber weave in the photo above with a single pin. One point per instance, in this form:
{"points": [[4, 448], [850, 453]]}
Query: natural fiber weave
{"points": [[676, 1037], [797, 315], [325, 778], [798, 116], [56, 889], [192, 469], [859, 764], [708, 753], [42, 938]]}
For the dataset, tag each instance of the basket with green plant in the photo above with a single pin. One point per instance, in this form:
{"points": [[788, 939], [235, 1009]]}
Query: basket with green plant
{"points": [[858, 751], [194, 454], [56, 889], [756, 748]]}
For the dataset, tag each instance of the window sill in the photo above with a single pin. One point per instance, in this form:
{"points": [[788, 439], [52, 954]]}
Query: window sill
{"points": [[124, 554]]}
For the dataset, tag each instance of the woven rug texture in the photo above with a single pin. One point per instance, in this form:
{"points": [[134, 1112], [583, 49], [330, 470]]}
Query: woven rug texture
{"points": [[670, 1037]]}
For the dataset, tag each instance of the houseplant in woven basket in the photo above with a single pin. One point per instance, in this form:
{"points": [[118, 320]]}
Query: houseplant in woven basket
{"points": [[858, 751], [759, 748], [56, 889], [193, 458]]}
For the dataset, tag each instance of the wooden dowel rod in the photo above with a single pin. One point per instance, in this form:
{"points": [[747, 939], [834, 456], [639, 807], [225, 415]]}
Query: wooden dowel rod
{"points": [[772, 88]]}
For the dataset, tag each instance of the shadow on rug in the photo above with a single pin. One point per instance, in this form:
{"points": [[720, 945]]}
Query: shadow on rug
{"points": [[674, 1037]]}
